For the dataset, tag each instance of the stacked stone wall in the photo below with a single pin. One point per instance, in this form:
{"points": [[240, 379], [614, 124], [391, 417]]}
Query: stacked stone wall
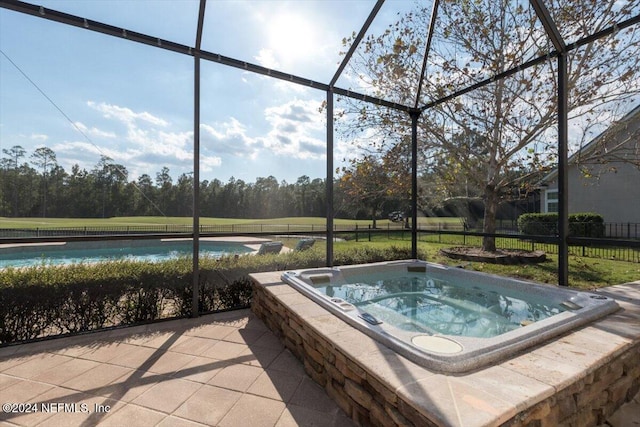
{"points": [[368, 401]]}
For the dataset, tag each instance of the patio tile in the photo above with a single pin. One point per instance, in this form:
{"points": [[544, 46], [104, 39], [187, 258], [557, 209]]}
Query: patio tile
{"points": [[172, 421], [294, 416], [38, 364], [66, 371], [259, 356], [268, 340], [276, 385], [208, 405], [82, 409], [133, 415], [136, 357], [212, 331], [168, 395], [107, 352], [24, 391], [244, 336], [253, 411], [195, 346], [162, 339], [168, 362], [6, 381], [224, 350], [310, 395], [236, 377], [97, 378], [129, 387], [200, 369], [287, 362]]}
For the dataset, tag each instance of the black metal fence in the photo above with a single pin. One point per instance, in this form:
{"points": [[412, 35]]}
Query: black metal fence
{"points": [[621, 249]]}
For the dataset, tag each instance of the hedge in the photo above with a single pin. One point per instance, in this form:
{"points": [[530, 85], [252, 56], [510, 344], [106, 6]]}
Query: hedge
{"points": [[546, 224], [43, 301]]}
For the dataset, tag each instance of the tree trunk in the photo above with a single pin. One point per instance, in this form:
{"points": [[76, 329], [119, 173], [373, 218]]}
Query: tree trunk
{"points": [[489, 226]]}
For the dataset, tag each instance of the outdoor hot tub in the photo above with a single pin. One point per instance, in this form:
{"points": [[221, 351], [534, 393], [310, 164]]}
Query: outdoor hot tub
{"points": [[447, 319]]}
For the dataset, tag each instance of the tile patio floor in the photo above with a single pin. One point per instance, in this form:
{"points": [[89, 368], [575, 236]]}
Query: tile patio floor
{"points": [[217, 370], [225, 369]]}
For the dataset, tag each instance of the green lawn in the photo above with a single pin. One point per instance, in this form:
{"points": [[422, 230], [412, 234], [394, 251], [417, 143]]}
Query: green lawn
{"points": [[584, 273], [32, 223]]}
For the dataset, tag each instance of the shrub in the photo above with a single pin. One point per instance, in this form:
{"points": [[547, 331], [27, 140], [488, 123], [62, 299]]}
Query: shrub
{"points": [[46, 300], [546, 224]]}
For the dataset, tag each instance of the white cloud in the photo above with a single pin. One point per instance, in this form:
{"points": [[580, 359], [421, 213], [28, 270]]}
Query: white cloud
{"points": [[93, 132], [39, 137], [266, 58], [126, 115], [295, 127]]}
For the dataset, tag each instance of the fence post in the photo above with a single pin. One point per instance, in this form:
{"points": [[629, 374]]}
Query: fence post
{"points": [[356, 232], [369, 232]]}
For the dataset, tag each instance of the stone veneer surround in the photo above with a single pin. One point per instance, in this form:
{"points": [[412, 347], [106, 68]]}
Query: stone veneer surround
{"points": [[580, 378]]}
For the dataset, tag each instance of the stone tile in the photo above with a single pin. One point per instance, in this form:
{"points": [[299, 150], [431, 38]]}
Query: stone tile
{"points": [[200, 369], [211, 331], [446, 401], [387, 366], [553, 372], [6, 381], [510, 386], [168, 363], [107, 352], [195, 346], [38, 364], [329, 324], [595, 340], [133, 415], [294, 416], [259, 356], [129, 387], [168, 395], [208, 405], [236, 377], [66, 371], [287, 362], [276, 385], [24, 391], [268, 340], [93, 380], [162, 339], [293, 299], [172, 421], [224, 350], [136, 357], [254, 411], [244, 336], [310, 395], [83, 409]]}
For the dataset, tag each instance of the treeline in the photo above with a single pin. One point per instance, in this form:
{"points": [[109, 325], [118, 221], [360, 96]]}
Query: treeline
{"points": [[40, 187]]}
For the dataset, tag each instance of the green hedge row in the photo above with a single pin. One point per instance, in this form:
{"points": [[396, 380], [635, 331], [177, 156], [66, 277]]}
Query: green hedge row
{"points": [[45, 300], [546, 224]]}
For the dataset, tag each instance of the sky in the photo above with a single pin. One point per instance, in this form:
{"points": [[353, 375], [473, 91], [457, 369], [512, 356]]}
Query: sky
{"points": [[87, 95]]}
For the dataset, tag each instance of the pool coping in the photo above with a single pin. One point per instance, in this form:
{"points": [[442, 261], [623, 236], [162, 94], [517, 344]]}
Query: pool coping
{"points": [[582, 375]]}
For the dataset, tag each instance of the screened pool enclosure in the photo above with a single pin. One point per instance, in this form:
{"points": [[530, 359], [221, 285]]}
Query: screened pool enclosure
{"points": [[417, 37]]}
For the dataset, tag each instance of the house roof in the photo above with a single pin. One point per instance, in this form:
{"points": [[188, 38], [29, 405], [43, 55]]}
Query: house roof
{"points": [[633, 115]]}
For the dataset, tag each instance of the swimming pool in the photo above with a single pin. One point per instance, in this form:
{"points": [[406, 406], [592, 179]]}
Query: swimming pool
{"points": [[445, 318], [155, 250]]}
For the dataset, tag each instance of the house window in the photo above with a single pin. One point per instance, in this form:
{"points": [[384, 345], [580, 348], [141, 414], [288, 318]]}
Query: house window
{"points": [[552, 201]]}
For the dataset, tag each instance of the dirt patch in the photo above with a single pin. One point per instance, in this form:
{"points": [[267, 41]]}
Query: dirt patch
{"points": [[500, 256]]}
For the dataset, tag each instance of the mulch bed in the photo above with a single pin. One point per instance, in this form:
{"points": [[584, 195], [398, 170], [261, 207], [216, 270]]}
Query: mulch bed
{"points": [[500, 256]]}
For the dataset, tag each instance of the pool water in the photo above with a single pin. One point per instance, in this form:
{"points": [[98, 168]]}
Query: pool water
{"points": [[429, 303], [88, 252]]}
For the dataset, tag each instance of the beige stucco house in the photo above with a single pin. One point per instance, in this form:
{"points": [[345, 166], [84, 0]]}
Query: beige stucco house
{"points": [[604, 177]]}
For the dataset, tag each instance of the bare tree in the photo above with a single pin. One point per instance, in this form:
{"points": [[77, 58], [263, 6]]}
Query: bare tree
{"points": [[516, 117]]}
